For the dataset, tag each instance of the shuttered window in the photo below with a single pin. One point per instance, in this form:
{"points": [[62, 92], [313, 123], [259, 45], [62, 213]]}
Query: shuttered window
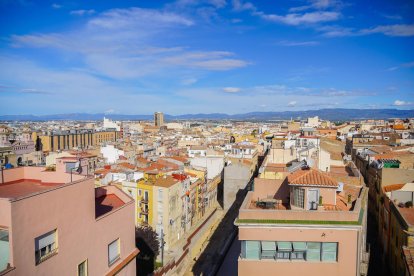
{"points": [[113, 251]]}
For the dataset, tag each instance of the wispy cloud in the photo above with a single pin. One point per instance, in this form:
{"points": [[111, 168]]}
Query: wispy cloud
{"points": [[189, 81], [297, 43], [390, 30], [82, 12], [397, 30], [56, 6], [401, 103], [231, 89], [392, 16], [319, 5], [136, 17], [404, 65], [294, 18], [127, 52], [292, 103], [17, 90]]}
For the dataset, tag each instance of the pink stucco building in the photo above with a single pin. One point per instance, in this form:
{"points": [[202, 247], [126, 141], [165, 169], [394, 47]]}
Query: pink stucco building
{"points": [[306, 222], [52, 225]]}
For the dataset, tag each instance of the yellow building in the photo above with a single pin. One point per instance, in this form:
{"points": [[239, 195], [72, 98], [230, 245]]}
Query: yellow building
{"points": [[145, 201], [62, 140]]}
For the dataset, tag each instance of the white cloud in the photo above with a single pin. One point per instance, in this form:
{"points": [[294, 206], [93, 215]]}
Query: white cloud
{"points": [[391, 30], [319, 5], [239, 5], [398, 30], [294, 18], [56, 6], [300, 19], [292, 103], [82, 12], [128, 53], [231, 89], [137, 17], [401, 103]]}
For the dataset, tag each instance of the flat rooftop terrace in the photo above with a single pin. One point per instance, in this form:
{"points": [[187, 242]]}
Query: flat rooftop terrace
{"points": [[24, 187]]}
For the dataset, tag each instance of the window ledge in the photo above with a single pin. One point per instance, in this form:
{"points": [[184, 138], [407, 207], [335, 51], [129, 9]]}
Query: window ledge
{"points": [[47, 257], [7, 270]]}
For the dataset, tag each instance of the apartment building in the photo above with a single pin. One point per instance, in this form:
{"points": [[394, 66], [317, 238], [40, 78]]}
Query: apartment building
{"points": [[306, 222], [68, 139], [158, 119], [396, 225], [58, 223]]}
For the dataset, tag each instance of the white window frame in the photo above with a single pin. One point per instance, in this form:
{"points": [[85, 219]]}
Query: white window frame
{"points": [[118, 256]]}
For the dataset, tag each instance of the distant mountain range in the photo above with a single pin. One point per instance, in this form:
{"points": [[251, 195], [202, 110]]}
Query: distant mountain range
{"points": [[337, 114]]}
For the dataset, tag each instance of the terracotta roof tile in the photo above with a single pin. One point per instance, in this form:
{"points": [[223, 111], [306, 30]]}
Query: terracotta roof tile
{"points": [[311, 177]]}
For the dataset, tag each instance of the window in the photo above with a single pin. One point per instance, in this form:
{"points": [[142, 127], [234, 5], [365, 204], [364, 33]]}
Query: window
{"points": [[160, 195], [45, 246], [83, 268], [113, 252], [285, 250], [253, 250], [299, 197], [146, 195], [4, 249], [299, 250], [313, 252], [268, 250], [329, 251]]}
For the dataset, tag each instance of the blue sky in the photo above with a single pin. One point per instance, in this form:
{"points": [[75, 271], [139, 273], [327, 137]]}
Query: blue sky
{"points": [[188, 56]]}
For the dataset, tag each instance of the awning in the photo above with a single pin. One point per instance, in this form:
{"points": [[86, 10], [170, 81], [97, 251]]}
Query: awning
{"points": [[268, 246], [284, 246], [299, 246]]}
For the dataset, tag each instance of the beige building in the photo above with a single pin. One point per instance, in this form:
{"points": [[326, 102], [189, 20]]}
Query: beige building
{"points": [[74, 138], [158, 119]]}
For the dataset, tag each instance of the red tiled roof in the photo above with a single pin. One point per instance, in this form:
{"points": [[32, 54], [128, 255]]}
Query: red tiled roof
{"points": [[107, 203], [311, 177], [127, 165]]}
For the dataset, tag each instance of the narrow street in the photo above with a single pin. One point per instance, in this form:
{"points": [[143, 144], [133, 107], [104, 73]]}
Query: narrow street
{"points": [[229, 265]]}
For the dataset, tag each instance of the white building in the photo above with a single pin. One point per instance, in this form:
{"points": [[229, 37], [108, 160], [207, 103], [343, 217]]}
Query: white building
{"points": [[111, 154], [107, 123]]}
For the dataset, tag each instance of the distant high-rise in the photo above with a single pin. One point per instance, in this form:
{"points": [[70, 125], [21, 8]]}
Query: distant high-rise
{"points": [[158, 119]]}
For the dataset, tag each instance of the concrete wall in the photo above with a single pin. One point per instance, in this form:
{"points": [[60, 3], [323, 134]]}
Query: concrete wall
{"points": [[236, 177], [214, 165], [264, 188]]}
